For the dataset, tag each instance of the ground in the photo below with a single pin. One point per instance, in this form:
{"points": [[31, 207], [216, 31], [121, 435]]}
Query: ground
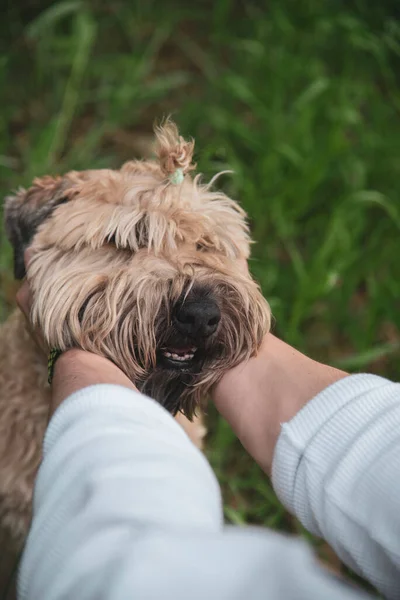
{"points": [[299, 98]]}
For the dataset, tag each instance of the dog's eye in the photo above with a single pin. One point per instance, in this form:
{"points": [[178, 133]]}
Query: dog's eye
{"points": [[201, 248]]}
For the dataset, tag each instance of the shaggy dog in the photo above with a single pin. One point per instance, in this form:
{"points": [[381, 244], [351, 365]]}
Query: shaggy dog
{"points": [[145, 266]]}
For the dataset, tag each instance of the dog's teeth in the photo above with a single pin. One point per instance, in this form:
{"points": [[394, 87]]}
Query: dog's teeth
{"points": [[178, 357]]}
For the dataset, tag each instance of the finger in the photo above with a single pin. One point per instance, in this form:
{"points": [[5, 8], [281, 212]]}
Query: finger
{"points": [[24, 298], [28, 256]]}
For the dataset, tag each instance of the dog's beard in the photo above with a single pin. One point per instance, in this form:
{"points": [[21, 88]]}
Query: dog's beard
{"points": [[184, 371]]}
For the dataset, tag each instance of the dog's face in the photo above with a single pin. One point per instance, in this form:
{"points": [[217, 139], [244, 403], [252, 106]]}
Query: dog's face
{"points": [[148, 272]]}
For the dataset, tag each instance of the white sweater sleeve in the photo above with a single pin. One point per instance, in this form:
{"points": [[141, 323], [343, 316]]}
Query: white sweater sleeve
{"points": [[337, 468], [126, 507]]}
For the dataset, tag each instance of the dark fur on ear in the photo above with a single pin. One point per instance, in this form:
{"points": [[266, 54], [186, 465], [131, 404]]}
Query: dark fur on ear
{"points": [[27, 210]]}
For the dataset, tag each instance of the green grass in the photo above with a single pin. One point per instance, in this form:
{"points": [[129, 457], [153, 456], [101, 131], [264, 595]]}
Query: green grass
{"points": [[300, 98]]}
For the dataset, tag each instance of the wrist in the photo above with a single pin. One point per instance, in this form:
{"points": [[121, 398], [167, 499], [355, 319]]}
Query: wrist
{"points": [[76, 369], [77, 357], [257, 397]]}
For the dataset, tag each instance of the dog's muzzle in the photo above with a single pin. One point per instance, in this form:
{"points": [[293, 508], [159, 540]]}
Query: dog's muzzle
{"points": [[195, 320]]}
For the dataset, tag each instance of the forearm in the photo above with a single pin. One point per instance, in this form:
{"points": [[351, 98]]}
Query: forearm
{"points": [[268, 390]]}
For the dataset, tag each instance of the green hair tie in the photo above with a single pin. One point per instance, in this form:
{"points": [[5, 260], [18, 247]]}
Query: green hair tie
{"points": [[177, 177]]}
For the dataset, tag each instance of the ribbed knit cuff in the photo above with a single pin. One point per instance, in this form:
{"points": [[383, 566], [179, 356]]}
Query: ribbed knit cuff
{"points": [[319, 434]]}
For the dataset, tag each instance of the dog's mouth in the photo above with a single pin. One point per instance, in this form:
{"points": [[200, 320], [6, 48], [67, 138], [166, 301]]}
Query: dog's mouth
{"points": [[178, 358]]}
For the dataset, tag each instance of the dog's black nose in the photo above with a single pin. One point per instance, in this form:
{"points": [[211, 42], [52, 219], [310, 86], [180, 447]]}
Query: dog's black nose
{"points": [[197, 318]]}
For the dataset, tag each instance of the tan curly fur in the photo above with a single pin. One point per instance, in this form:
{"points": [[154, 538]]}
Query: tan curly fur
{"points": [[114, 254]]}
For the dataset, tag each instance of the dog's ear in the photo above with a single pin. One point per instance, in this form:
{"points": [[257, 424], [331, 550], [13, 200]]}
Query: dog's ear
{"points": [[26, 210]]}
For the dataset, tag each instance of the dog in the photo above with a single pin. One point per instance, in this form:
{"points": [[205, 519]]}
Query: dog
{"points": [[146, 266]]}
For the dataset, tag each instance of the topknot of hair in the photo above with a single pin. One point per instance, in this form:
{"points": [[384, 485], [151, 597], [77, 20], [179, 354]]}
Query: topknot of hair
{"points": [[173, 152]]}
